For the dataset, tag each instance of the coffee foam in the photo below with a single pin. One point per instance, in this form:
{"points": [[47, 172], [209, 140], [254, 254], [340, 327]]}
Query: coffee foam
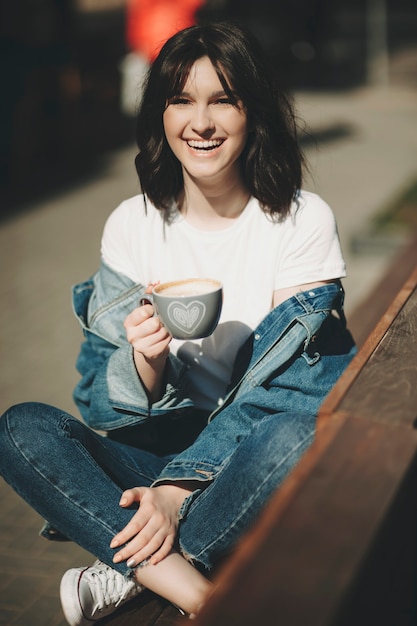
{"points": [[187, 288]]}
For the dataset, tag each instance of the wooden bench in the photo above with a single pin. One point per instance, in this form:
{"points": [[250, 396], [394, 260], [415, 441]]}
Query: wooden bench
{"points": [[337, 545]]}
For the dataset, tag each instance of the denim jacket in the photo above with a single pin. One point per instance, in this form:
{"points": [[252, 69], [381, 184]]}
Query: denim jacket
{"points": [[289, 363]]}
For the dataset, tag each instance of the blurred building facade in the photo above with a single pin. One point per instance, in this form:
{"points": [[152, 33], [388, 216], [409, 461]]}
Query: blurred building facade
{"points": [[323, 44], [59, 102]]}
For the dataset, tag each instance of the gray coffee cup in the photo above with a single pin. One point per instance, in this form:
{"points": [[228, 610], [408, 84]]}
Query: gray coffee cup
{"points": [[189, 309]]}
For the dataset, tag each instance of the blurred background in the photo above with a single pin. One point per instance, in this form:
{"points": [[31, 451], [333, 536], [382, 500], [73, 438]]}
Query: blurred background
{"points": [[62, 68], [71, 72]]}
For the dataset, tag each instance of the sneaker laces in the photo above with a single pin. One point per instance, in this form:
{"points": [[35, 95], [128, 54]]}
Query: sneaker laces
{"points": [[108, 587]]}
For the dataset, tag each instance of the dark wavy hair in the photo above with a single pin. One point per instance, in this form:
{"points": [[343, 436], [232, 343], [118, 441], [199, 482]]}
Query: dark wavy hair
{"points": [[272, 161]]}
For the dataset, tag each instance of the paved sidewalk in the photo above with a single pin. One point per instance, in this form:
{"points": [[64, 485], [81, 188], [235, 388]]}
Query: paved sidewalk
{"points": [[366, 154]]}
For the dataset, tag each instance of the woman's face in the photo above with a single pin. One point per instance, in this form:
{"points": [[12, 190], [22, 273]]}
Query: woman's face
{"points": [[204, 130]]}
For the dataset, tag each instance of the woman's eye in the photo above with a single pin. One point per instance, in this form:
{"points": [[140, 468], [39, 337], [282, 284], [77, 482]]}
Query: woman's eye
{"points": [[223, 101], [179, 101]]}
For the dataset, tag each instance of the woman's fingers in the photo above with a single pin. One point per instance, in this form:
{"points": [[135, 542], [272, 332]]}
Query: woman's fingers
{"points": [[138, 521], [153, 539], [156, 549], [151, 531], [148, 517], [141, 322], [129, 496], [163, 551], [146, 334]]}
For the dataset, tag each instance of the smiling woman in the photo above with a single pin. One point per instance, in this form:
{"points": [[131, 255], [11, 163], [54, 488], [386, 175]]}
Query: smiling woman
{"points": [[207, 133], [200, 432]]}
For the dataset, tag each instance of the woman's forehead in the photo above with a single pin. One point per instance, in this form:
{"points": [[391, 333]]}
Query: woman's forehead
{"points": [[202, 72], [199, 70]]}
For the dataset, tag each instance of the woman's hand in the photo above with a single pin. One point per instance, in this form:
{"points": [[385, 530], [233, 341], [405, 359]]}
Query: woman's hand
{"points": [[150, 341], [146, 334], [152, 530]]}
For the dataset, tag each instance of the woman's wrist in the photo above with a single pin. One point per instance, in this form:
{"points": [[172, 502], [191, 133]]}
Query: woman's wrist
{"points": [[175, 493], [151, 373]]}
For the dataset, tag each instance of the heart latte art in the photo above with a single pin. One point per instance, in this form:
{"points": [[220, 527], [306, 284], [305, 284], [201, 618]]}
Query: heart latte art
{"points": [[186, 316]]}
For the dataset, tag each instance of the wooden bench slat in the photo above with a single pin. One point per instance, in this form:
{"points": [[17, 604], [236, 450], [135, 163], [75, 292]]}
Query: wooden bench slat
{"points": [[400, 348], [387, 388]]}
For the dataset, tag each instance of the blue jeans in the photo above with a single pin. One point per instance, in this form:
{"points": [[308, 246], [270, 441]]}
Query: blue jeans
{"points": [[74, 478]]}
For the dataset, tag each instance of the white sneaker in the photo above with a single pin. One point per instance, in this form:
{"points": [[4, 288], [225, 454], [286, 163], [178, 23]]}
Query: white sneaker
{"points": [[91, 593]]}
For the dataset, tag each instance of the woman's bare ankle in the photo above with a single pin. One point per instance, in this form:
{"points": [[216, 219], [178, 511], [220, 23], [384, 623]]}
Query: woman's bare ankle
{"points": [[197, 601], [176, 580]]}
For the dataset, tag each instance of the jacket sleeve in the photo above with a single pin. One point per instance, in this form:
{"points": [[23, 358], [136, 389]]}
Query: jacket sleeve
{"points": [[110, 394]]}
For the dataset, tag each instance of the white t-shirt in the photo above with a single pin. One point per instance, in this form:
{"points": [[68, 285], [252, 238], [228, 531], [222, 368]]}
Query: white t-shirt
{"points": [[252, 258]]}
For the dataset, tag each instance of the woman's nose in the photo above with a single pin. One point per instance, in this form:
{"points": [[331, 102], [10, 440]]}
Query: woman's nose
{"points": [[202, 121]]}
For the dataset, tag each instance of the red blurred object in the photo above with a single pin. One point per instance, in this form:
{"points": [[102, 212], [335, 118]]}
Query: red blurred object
{"points": [[151, 22]]}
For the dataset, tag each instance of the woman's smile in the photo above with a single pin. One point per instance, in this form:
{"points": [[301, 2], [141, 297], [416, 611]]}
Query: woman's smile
{"points": [[206, 146]]}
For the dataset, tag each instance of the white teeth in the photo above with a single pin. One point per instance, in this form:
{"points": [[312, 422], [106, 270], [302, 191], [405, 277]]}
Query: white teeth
{"points": [[213, 143]]}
